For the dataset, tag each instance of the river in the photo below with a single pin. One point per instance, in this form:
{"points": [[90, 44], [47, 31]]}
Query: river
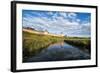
{"points": [[59, 52]]}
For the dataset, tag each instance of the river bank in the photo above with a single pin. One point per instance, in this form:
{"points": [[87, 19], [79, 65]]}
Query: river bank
{"points": [[58, 52], [33, 44], [84, 44]]}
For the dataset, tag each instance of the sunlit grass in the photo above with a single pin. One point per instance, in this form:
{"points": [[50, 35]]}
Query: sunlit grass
{"points": [[82, 43], [33, 43]]}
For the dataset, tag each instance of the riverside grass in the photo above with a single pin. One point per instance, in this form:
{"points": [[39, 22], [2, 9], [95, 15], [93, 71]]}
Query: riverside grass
{"points": [[34, 43]]}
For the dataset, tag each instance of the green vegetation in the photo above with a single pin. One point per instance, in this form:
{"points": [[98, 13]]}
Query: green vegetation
{"points": [[34, 43], [82, 43], [75, 38]]}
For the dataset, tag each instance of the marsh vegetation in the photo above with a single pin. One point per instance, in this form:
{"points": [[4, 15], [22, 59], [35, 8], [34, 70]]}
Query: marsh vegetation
{"points": [[51, 48]]}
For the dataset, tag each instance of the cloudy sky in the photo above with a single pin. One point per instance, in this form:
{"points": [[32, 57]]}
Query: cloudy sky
{"points": [[68, 23]]}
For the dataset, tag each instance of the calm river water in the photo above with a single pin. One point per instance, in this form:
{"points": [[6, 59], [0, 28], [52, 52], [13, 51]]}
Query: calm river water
{"points": [[58, 52]]}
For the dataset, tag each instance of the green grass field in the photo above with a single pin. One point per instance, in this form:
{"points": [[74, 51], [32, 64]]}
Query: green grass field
{"points": [[84, 44], [34, 43]]}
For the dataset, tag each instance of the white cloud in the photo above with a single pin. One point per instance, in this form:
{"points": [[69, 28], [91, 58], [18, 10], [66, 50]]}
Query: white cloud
{"points": [[78, 20], [63, 14], [50, 13], [58, 24], [72, 15]]}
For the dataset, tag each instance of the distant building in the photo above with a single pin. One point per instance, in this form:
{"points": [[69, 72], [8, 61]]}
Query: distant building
{"points": [[61, 34], [45, 32], [30, 28], [42, 32]]}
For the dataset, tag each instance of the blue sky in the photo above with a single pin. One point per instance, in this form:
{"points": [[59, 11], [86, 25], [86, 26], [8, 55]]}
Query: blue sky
{"points": [[68, 23]]}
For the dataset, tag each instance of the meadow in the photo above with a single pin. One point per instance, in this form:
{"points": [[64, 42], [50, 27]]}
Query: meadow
{"points": [[34, 43], [84, 44]]}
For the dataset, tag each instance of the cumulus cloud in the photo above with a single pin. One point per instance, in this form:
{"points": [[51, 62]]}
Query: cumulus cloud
{"points": [[63, 14], [56, 22], [72, 15]]}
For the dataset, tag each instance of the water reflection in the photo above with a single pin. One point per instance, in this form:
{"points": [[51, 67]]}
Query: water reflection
{"points": [[59, 51]]}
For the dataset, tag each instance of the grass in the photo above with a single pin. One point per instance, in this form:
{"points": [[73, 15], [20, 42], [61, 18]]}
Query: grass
{"points": [[34, 43], [82, 43]]}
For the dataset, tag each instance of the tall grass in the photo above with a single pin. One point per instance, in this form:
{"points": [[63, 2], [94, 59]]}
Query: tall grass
{"points": [[34, 43], [84, 44]]}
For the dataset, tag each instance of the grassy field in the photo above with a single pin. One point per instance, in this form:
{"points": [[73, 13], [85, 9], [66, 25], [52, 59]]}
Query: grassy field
{"points": [[34, 43], [81, 43]]}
